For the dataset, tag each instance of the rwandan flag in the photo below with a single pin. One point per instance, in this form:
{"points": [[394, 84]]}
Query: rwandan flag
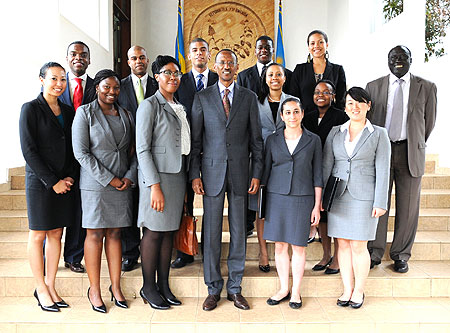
{"points": [[279, 56], [179, 44]]}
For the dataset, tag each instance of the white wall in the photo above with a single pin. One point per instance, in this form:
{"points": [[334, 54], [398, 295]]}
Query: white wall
{"points": [[33, 32]]}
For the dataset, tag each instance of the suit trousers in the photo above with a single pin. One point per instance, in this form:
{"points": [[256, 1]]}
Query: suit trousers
{"points": [[75, 235], [212, 227], [131, 236], [407, 204]]}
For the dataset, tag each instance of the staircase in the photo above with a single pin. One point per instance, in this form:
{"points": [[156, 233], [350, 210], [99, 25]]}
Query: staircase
{"points": [[417, 301]]}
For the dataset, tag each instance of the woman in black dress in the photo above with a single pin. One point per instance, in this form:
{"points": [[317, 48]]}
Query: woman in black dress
{"points": [[46, 142], [320, 122], [317, 67]]}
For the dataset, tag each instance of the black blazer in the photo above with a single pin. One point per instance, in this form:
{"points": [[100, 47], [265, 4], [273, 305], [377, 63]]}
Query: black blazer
{"points": [[187, 89], [333, 117], [303, 82], [250, 79], [46, 146], [127, 97], [88, 93]]}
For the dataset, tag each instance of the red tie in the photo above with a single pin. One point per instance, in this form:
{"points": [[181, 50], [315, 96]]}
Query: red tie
{"points": [[226, 103], [77, 94]]}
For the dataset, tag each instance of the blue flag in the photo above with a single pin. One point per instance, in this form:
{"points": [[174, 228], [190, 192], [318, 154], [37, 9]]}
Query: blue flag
{"points": [[279, 55], [179, 44]]}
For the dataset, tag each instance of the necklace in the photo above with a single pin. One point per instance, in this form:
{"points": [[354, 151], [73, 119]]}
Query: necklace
{"points": [[273, 100]]}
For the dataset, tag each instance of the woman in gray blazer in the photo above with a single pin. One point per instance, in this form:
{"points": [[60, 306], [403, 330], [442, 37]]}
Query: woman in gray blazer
{"points": [[293, 176], [359, 154], [270, 98], [162, 146], [103, 136]]}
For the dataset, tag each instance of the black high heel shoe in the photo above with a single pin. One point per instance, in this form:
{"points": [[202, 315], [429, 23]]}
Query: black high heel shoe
{"points": [[62, 304], [120, 304], [101, 308], [51, 308], [172, 300], [161, 306]]}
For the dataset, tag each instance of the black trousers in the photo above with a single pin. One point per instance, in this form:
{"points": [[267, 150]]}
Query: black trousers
{"points": [[131, 236], [75, 235]]}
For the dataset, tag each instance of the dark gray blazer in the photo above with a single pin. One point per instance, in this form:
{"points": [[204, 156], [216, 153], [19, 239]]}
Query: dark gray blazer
{"points": [[95, 148], [158, 139], [295, 174], [366, 173], [218, 142], [421, 116]]}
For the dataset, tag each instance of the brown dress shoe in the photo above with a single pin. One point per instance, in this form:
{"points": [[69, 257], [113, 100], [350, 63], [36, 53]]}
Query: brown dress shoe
{"points": [[239, 301], [210, 302], [75, 267]]}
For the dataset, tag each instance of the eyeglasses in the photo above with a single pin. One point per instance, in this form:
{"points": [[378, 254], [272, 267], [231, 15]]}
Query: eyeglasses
{"points": [[170, 73], [325, 93], [223, 63]]}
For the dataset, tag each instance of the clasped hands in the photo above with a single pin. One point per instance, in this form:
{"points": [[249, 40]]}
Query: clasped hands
{"points": [[197, 186], [120, 184], [63, 185]]}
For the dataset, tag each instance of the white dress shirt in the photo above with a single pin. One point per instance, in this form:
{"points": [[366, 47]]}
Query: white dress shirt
{"points": [[135, 80], [73, 84], [393, 84], [260, 66], [204, 78], [230, 94], [350, 145]]}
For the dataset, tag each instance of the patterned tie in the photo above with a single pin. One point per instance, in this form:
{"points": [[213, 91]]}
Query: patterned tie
{"points": [[200, 84], [78, 94], [226, 103], [395, 128], [139, 92], [262, 70]]}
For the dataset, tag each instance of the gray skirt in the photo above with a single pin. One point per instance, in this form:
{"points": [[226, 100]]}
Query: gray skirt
{"points": [[106, 209], [350, 218], [173, 186], [288, 218]]}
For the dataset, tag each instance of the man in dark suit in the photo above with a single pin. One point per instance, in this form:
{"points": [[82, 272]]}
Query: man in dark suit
{"points": [[406, 105], [134, 89], [79, 91], [196, 80], [225, 130], [250, 78]]}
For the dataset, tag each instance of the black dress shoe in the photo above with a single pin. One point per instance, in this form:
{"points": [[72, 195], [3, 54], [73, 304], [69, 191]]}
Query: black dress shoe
{"points": [[239, 301], [356, 305], [318, 267], [120, 304], [342, 303], [401, 266], [101, 308], [129, 265], [272, 301], [374, 263], [264, 268], [74, 267], [50, 308], [61, 304], [159, 305], [180, 262], [210, 302], [249, 233], [332, 270], [296, 305]]}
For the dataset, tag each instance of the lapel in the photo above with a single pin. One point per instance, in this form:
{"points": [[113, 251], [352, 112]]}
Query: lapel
{"points": [[364, 136], [101, 118], [414, 88], [267, 111], [150, 89], [130, 93], [215, 99], [384, 88], [327, 118], [328, 72], [303, 142], [234, 106], [165, 105], [126, 125], [65, 97], [281, 143], [212, 78], [191, 83], [87, 90], [46, 109], [279, 123], [255, 77]]}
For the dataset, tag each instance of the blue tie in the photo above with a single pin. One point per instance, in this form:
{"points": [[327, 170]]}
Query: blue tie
{"points": [[200, 85]]}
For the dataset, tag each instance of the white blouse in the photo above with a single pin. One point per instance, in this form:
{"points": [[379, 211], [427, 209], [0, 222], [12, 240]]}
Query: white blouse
{"points": [[185, 130], [291, 144], [350, 146]]}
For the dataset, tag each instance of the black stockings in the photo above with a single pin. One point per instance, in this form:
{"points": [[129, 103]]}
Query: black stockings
{"points": [[156, 252]]}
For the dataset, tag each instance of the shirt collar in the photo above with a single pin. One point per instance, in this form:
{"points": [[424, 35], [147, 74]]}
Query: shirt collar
{"points": [[368, 125], [393, 78], [260, 66], [195, 72], [143, 79], [222, 88], [82, 77]]}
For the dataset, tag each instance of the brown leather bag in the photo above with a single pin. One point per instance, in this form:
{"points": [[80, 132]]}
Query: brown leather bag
{"points": [[185, 239]]}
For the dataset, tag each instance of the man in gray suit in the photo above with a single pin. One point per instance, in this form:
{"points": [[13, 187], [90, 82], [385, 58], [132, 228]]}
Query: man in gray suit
{"points": [[225, 129], [406, 105]]}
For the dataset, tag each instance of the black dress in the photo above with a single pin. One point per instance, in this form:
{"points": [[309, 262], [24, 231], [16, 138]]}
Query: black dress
{"points": [[303, 82], [47, 149]]}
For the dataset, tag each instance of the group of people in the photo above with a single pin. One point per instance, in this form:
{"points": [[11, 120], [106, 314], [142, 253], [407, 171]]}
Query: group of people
{"points": [[113, 156]]}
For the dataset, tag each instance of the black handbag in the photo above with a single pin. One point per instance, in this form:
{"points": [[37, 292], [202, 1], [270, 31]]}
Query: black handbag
{"points": [[330, 192], [262, 202]]}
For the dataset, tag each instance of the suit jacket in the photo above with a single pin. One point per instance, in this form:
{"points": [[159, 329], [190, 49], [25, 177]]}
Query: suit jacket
{"points": [[187, 89], [250, 79], [295, 174], [333, 117], [303, 82], [95, 148], [127, 96], [219, 143], [158, 139], [46, 146], [421, 116], [88, 93], [265, 116], [365, 174]]}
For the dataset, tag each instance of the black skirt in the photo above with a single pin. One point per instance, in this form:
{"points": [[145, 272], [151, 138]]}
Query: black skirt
{"points": [[46, 209]]}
